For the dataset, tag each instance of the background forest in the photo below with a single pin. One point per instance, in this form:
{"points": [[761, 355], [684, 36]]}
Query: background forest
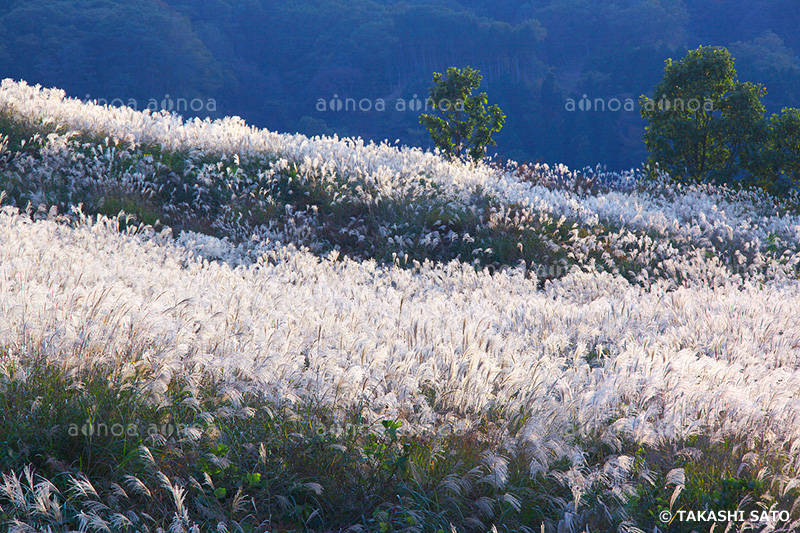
{"points": [[280, 64]]}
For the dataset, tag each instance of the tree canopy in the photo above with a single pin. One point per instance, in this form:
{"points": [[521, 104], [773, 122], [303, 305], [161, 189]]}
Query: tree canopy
{"points": [[461, 125], [706, 126]]}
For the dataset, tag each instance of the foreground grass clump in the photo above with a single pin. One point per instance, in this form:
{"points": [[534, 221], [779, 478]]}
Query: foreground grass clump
{"points": [[100, 445], [122, 447]]}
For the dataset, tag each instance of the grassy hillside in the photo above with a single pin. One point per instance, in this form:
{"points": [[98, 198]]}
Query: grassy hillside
{"points": [[289, 334]]}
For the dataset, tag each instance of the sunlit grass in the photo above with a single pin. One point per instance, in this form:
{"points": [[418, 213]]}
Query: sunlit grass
{"points": [[316, 334]]}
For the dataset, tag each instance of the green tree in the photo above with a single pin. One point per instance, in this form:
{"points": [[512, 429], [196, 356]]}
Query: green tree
{"points": [[780, 169], [705, 125], [464, 126]]}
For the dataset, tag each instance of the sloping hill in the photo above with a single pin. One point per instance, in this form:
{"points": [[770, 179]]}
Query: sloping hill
{"points": [[310, 353]]}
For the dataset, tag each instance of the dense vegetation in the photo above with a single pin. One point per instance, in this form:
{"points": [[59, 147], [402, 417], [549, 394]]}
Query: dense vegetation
{"points": [[272, 61], [342, 360]]}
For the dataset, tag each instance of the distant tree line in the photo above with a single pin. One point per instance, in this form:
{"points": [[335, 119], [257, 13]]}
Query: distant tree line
{"points": [[271, 61]]}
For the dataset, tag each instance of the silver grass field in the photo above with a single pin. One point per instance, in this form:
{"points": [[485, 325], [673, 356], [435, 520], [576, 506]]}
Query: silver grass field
{"points": [[660, 361]]}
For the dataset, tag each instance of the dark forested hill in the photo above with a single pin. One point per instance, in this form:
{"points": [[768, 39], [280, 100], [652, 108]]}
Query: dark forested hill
{"points": [[289, 65]]}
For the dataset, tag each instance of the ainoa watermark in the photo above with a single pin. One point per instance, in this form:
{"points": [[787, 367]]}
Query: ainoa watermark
{"points": [[168, 103], [101, 429], [586, 104], [365, 105]]}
